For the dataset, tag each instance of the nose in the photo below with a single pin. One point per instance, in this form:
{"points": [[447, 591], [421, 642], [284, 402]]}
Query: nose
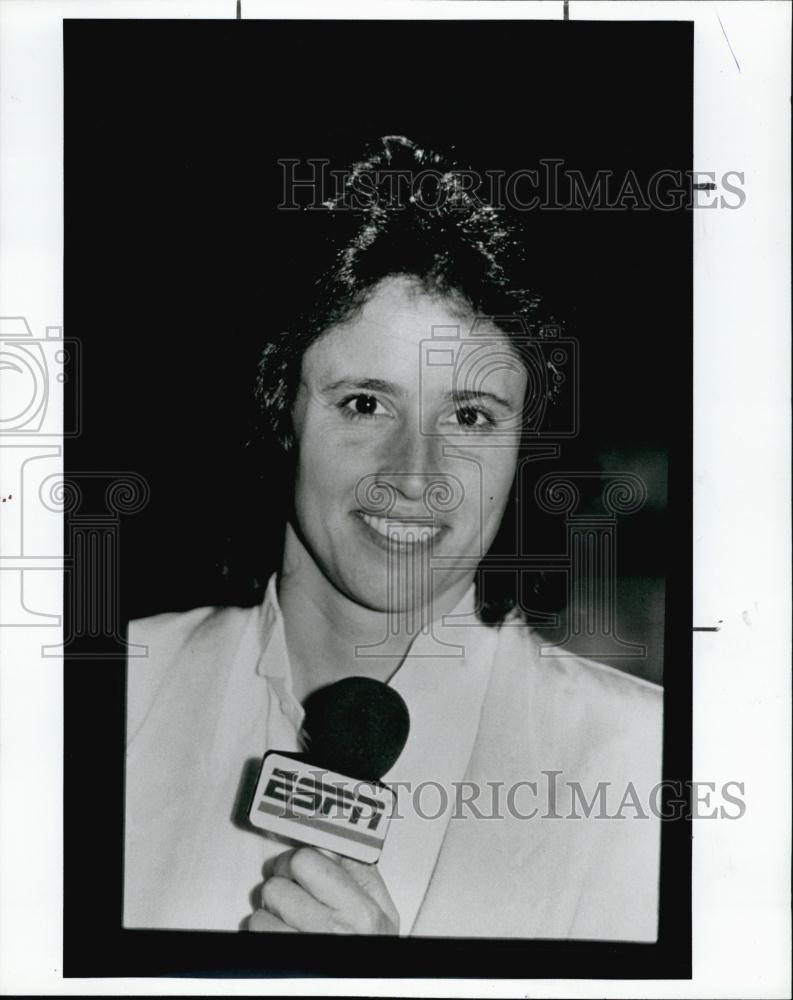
{"points": [[410, 463]]}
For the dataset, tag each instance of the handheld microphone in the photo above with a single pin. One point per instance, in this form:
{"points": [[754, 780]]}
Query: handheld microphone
{"points": [[331, 796]]}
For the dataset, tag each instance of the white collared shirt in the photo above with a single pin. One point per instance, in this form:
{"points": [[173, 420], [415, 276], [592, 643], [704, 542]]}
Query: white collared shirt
{"points": [[199, 719]]}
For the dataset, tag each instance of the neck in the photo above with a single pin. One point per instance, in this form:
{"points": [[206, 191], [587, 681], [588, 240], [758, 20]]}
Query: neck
{"points": [[323, 626]]}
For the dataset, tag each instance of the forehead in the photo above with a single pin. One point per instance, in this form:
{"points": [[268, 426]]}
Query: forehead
{"points": [[401, 328]]}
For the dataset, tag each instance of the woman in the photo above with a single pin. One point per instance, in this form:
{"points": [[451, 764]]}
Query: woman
{"points": [[401, 395]]}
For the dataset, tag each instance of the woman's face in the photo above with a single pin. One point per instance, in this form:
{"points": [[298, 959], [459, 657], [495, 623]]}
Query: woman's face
{"points": [[405, 462]]}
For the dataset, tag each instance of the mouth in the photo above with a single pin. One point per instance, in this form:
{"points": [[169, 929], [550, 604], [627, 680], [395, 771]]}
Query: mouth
{"points": [[399, 533]]}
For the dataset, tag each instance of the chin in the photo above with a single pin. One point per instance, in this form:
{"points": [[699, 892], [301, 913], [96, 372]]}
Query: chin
{"points": [[373, 594]]}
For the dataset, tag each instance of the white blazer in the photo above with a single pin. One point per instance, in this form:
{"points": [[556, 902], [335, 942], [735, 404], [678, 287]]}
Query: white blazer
{"points": [[537, 773]]}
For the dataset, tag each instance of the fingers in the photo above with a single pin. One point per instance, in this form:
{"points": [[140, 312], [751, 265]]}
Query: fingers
{"points": [[322, 895], [320, 876], [261, 920], [294, 906]]}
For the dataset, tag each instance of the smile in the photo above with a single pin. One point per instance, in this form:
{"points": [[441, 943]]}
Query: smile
{"points": [[399, 532]]}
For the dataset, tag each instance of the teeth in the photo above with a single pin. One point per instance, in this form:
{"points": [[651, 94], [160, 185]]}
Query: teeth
{"points": [[404, 532]]}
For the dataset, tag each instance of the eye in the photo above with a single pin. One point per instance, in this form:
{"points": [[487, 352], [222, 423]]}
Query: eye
{"points": [[472, 416], [362, 405]]}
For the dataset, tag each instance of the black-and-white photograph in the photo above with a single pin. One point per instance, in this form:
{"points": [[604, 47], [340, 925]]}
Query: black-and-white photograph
{"points": [[394, 437], [394, 328], [395, 498]]}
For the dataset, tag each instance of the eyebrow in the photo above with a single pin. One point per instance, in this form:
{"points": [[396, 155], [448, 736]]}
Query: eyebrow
{"points": [[471, 395], [355, 382]]}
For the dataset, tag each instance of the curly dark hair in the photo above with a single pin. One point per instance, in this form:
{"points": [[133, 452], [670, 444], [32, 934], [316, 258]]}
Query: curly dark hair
{"points": [[444, 238], [440, 235]]}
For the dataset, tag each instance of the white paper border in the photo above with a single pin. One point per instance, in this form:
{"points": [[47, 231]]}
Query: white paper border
{"points": [[742, 686]]}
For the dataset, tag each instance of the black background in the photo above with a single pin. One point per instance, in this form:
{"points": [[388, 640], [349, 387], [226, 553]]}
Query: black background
{"points": [[175, 257]]}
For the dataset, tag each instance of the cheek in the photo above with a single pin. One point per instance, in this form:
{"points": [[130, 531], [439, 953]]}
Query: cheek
{"points": [[497, 479], [316, 479], [328, 469]]}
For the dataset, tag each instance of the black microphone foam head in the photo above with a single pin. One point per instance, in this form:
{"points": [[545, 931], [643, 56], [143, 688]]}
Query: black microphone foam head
{"points": [[357, 727]]}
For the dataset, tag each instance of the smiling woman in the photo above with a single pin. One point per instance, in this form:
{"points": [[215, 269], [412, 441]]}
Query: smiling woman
{"points": [[366, 413], [405, 391]]}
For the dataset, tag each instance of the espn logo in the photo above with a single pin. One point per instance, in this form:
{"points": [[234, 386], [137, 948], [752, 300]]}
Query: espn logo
{"points": [[321, 808]]}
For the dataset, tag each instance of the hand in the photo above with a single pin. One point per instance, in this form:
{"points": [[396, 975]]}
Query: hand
{"points": [[307, 891]]}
